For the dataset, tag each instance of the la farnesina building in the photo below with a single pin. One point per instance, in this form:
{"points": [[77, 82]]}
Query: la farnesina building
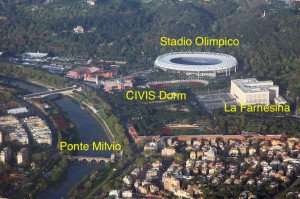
{"points": [[251, 91], [197, 64]]}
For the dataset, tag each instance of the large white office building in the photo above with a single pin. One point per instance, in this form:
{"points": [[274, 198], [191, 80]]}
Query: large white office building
{"points": [[251, 91]]}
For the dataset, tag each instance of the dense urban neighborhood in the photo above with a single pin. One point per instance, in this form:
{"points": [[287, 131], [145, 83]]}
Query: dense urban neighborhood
{"points": [[193, 167]]}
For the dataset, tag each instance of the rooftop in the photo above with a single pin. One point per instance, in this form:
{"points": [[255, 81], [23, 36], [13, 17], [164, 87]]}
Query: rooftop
{"points": [[253, 85]]}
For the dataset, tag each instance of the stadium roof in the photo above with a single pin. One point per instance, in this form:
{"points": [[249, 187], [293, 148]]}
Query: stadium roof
{"points": [[195, 61]]}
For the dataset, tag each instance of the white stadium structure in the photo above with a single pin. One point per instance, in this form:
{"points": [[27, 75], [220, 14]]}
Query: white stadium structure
{"points": [[196, 65]]}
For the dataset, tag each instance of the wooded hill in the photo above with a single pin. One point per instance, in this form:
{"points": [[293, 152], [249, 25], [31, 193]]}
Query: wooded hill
{"points": [[131, 29]]}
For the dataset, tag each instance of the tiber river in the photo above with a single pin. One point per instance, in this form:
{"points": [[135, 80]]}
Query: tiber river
{"points": [[89, 131]]}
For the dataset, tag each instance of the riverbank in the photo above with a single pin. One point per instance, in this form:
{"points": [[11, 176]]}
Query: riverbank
{"points": [[103, 113], [35, 77], [49, 167], [96, 122], [94, 112], [88, 128]]}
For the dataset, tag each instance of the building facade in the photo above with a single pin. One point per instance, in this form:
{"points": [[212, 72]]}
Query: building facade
{"points": [[1, 137], [251, 91], [117, 84], [5, 155], [12, 126], [22, 156]]}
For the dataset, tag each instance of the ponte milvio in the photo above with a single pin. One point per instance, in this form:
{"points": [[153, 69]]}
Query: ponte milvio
{"points": [[90, 159], [67, 90]]}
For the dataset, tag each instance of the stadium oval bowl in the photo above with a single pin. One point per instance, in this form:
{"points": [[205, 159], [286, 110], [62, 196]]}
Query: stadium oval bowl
{"points": [[197, 63]]}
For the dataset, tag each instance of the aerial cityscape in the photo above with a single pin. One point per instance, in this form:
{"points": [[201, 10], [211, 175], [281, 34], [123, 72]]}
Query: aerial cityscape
{"points": [[164, 99]]}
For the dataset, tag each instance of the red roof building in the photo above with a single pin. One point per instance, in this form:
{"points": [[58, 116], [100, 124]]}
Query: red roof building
{"points": [[74, 74], [91, 74]]}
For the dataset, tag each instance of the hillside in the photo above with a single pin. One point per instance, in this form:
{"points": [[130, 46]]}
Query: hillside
{"points": [[131, 29]]}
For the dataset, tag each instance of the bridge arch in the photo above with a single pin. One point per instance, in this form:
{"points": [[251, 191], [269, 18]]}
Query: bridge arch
{"points": [[90, 159]]}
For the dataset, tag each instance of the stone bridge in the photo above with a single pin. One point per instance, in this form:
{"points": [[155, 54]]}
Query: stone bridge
{"points": [[89, 159]]}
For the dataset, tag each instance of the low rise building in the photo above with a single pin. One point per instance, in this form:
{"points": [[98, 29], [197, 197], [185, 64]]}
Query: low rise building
{"points": [[74, 74], [55, 69], [14, 129], [114, 194], [23, 156], [5, 155], [127, 180], [171, 183], [152, 174], [151, 146], [127, 194], [168, 152], [1, 138], [41, 133], [34, 55], [16, 111], [91, 2], [78, 30], [210, 155], [117, 84], [92, 74], [182, 194]]}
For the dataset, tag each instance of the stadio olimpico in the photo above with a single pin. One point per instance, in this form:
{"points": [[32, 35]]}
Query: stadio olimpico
{"points": [[196, 65]]}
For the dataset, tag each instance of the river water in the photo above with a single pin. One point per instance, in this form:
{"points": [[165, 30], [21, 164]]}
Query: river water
{"points": [[89, 130]]}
